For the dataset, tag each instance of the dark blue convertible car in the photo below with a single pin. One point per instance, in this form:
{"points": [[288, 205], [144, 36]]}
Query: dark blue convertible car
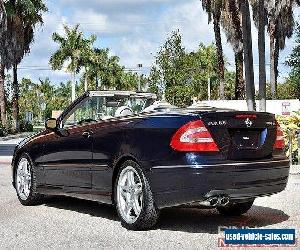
{"points": [[127, 149]]}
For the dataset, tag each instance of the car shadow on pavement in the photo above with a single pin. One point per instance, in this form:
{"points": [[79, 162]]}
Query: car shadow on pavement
{"points": [[83, 206], [195, 220], [190, 220]]}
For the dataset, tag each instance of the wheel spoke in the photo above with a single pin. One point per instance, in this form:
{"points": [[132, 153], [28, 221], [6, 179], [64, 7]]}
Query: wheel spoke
{"points": [[127, 210], [136, 206], [138, 189], [27, 177], [130, 178], [25, 188], [20, 187], [124, 191]]}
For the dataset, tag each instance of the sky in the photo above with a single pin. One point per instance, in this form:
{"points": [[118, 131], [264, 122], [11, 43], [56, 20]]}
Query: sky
{"points": [[134, 30]]}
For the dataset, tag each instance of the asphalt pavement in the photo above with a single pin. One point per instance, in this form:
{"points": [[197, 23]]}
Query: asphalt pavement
{"points": [[7, 149], [71, 223]]}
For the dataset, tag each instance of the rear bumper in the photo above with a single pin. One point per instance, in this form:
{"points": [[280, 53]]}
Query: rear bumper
{"points": [[182, 184]]}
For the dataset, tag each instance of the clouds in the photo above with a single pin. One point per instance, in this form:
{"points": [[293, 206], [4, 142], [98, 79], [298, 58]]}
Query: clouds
{"points": [[132, 29]]}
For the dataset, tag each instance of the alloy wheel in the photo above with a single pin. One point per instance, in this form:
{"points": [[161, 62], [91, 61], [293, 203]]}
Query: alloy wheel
{"points": [[23, 180], [129, 194]]}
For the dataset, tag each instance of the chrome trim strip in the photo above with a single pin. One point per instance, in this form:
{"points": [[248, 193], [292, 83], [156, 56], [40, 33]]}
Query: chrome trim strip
{"points": [[66, 165], [218, 165]]}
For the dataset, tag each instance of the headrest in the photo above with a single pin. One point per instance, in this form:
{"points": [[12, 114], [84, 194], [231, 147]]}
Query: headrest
{"points": [[123, 111]]}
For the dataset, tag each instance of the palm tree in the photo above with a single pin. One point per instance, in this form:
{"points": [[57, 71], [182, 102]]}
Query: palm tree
{"points": [[213, 8], [262, 56], [280, 20], [280, 27], [96, 66], [22, 18], [248, 54], [72, 48], [260, 20], [232, 25], [3, 29], [104, 71]]}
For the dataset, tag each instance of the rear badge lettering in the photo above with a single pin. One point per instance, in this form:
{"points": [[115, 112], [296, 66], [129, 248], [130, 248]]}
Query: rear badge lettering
{"points": [[271, 123], [217, 123]]}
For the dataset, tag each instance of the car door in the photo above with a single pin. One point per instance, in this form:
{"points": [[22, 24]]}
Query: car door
{"points": [[108, 139], [68, 153]]}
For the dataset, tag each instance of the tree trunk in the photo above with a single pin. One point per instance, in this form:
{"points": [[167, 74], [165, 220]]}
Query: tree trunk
{"points": [[262, 57], [85, 84], [15, 104], [248, 55], [239, 91], [238, 52], [2, 97], [85, 81], [73, 87], [97, 83], [221, 67], [272, 59], [276, 59]]}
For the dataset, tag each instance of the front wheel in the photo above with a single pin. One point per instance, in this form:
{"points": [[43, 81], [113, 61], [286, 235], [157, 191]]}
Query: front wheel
{"points": [[235, 209], [25, 182], [134, 199]]}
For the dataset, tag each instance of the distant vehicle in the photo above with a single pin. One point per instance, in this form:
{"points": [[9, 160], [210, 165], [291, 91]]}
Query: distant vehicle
{"points": [[127, 149]]}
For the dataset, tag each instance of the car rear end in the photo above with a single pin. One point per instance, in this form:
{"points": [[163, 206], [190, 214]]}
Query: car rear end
{"points": [[233, 155]]}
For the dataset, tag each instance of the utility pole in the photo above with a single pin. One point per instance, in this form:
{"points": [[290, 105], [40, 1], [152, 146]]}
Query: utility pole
{"points": [[140, 66]]}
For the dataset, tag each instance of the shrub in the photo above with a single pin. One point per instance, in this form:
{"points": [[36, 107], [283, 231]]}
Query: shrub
{"points": [[26, 126], [291, 128], [3, 130]]}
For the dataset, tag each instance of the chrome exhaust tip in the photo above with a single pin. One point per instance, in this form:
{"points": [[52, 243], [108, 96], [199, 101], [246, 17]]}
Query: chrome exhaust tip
{"points": [[213, 201], [223, 201]]}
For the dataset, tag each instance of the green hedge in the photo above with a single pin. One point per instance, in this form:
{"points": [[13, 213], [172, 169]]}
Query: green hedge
{"points": [[26, 126], [3, 130]]}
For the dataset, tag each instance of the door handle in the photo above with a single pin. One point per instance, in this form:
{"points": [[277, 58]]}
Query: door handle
{"points": [[87, 134]]}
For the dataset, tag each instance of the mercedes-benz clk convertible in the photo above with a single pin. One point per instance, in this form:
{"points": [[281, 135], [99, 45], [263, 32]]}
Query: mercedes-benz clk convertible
{"points": [[140, 155]]}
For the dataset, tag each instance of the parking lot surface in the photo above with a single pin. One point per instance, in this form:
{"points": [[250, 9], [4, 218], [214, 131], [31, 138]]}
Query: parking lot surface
{"points": [[71, 223]]}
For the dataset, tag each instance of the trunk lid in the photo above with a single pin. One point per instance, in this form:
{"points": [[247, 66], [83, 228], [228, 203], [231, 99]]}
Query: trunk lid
{"points": [[242, 135]]}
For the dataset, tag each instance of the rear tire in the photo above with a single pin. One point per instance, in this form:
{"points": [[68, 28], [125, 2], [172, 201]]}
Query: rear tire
{"points": [[134, 199], [25, 182], [235, 209]]}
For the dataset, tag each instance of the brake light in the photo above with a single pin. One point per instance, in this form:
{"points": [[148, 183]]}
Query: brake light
{"points": [[244, 116], [193, 136], [279, 142]]}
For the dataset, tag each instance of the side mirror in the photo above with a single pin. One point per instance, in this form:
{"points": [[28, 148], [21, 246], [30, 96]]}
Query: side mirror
{"points": [[51, 123]]}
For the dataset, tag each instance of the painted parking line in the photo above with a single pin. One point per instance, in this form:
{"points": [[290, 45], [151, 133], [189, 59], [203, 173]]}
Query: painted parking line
{"points": [[5, 160]]}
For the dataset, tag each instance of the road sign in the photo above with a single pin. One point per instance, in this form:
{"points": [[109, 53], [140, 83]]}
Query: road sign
{"points": [[286, 108]]}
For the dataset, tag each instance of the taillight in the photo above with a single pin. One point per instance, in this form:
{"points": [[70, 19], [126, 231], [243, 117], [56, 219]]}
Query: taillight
{"points": [[193, 136], [279, 143]]}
